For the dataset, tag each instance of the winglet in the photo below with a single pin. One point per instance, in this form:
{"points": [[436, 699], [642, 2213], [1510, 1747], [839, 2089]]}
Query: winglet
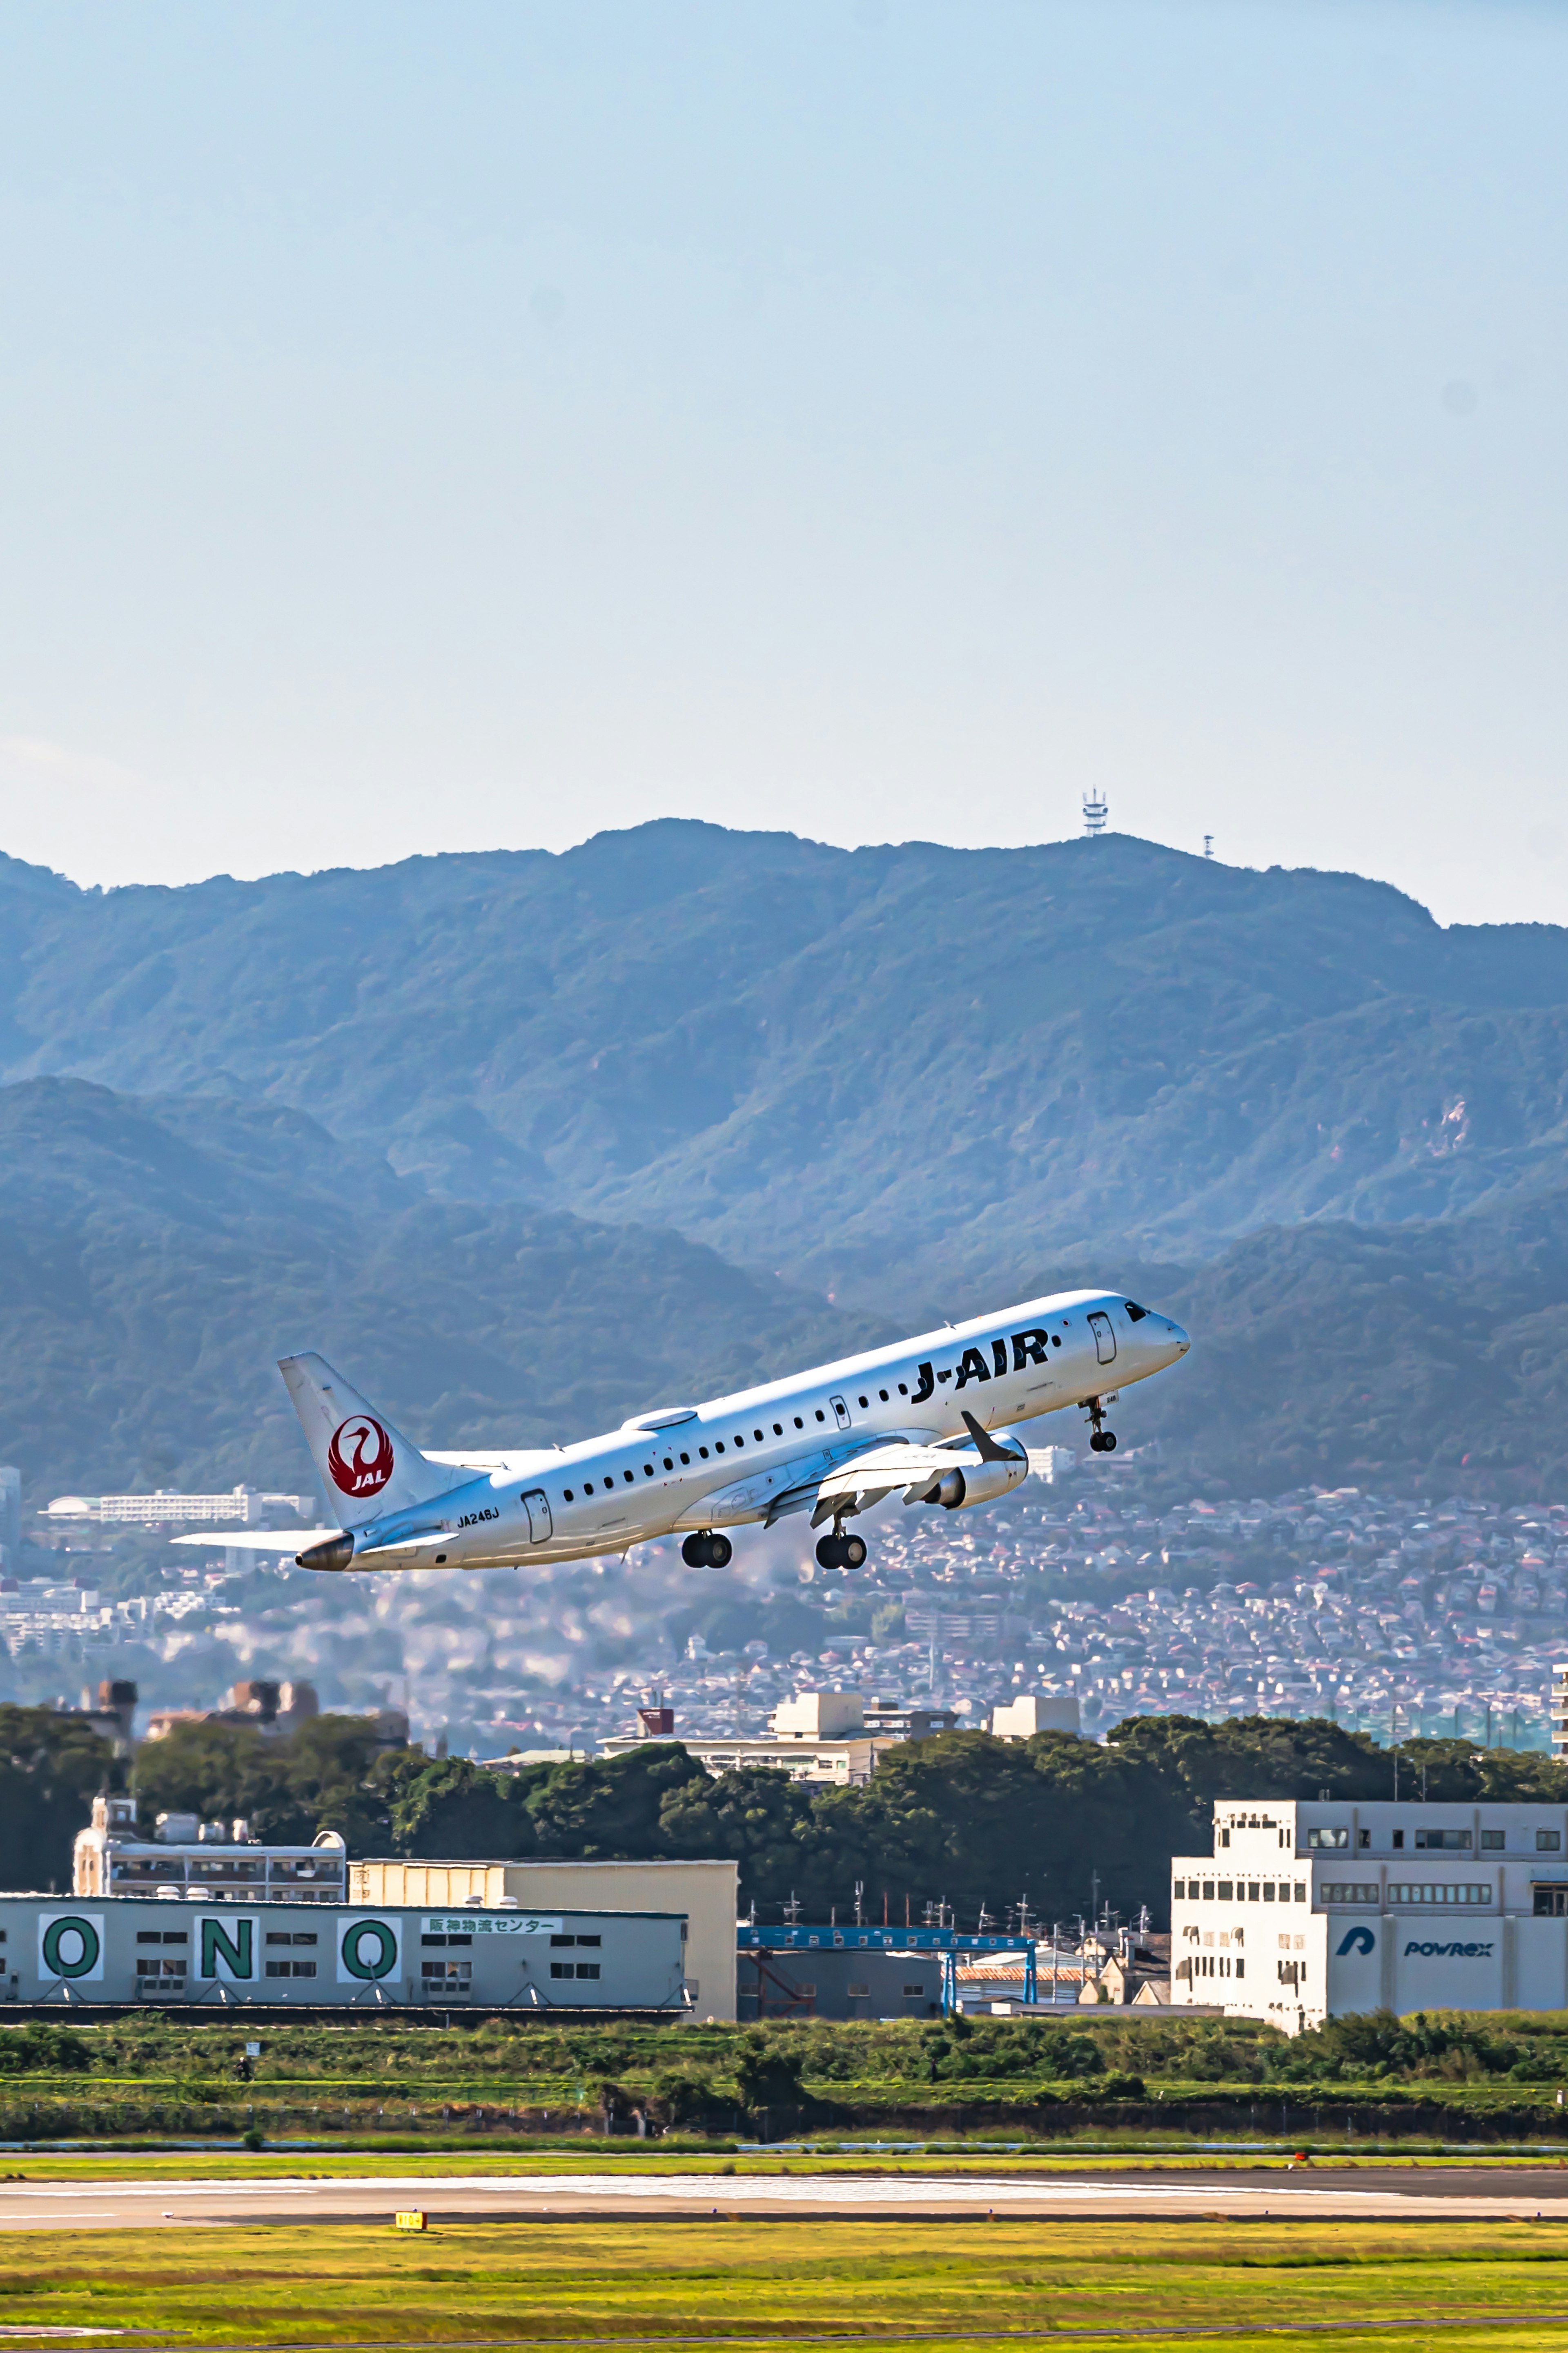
{"points": [[985, 1446]]}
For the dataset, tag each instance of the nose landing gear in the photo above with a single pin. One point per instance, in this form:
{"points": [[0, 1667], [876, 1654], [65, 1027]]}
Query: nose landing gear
{"points": [[707, 1550], [839, 1551], [1102, 1440]]}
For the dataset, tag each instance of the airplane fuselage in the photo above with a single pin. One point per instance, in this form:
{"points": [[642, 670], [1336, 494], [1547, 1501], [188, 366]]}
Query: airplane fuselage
{"points": [[748, 1458]]}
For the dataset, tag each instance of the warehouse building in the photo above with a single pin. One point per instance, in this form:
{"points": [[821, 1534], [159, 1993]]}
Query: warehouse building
{"points": [[173, 1952], [1308, 1911], [816, 1970], [705, 1894]]}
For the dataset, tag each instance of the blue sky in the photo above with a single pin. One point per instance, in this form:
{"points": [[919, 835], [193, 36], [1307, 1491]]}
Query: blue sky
{"points": [[435, 429]]}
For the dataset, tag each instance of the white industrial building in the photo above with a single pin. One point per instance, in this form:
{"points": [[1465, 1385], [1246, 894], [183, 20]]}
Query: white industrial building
{"points": [[165, 1949], [240, 1507], [1304, 1911]]}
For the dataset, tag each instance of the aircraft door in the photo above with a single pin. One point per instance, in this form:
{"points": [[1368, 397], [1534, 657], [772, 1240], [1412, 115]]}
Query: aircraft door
{"points": [[1104, 1338], [540, 1524], [841, 1412]]}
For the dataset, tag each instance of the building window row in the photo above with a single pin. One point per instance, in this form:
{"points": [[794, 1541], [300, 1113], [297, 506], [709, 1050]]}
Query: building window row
{"points": [[1437, 1841], [1238, 1891], [1436, 1893]]}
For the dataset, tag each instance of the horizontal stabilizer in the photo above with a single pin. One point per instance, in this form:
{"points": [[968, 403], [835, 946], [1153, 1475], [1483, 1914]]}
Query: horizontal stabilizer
{"points": [[258, 1539]]}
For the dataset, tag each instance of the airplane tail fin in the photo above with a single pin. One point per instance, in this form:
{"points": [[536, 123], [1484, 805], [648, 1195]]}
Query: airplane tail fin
{"points": [[366, 1466]]}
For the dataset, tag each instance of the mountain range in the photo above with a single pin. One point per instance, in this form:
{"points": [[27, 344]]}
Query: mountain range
{"points": [[533, 1141]]}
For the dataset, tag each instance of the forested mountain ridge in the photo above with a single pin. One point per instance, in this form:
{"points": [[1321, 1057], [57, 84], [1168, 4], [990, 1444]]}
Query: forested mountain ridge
{"points": [[908, 1074], [157, 1254]]}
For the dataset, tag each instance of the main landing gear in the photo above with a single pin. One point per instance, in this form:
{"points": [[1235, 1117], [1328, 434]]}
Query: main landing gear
{"points": [[839, 1551], [1102, 1440], [707, 1550]]}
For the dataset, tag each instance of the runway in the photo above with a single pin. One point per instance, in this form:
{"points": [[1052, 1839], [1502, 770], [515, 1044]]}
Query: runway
{"points": [[1404, 2195]]}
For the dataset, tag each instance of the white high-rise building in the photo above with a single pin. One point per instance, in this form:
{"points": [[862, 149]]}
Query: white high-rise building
{"points": [[1304, 1911], [10, 1515]]}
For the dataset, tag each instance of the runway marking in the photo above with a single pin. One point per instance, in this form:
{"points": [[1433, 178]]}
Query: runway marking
{"points": [[785, 2188]]}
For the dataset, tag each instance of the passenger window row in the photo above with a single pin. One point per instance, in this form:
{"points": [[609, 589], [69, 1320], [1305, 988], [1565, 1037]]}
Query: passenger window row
{"points": [[738, 1440]]}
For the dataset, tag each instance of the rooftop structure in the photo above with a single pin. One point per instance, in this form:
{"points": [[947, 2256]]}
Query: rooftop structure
{"points": [[219, 1861], [278, 1708], [1021, 1718]]}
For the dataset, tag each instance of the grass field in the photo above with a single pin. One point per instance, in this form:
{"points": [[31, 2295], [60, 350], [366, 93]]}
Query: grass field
{"points": [[787, 2283]]}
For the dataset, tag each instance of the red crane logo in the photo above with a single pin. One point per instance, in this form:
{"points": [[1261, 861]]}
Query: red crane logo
{"points": [[359, 1456]]}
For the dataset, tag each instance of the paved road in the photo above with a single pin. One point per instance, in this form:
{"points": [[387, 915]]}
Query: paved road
{"points": [[1299, 2196]]}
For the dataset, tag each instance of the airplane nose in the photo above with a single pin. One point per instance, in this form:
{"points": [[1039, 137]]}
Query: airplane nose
{"points": [[1179, 1339]]}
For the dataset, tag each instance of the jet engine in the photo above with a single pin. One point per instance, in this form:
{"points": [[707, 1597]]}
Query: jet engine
{"points": [[977, 1482], [332, 1552]]}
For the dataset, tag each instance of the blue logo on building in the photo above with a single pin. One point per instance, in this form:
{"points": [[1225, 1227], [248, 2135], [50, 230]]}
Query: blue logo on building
{"points": [[1355, 1940]]}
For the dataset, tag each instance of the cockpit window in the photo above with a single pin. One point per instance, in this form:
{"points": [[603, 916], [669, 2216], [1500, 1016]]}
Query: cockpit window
{"points": [[1135, 1314]]}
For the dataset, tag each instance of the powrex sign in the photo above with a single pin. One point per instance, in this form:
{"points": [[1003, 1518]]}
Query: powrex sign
{"points": [[1449, 1952], [360, 1456], [369, 1949]]}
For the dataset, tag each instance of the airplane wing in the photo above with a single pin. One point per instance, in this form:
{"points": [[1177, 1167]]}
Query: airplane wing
{"points": [[867, 1469], [769, 1494], [872, 1476]]}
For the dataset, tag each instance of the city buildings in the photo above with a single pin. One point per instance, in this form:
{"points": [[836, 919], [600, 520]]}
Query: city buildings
{"points": [[833, 1737], [1391, 1615]]}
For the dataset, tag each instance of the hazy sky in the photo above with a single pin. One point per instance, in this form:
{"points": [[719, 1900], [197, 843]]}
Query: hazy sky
{"points": [[436, 427]]}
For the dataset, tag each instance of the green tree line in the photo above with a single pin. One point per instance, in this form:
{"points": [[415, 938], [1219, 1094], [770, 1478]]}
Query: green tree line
{"points": [[1056, 1819]]}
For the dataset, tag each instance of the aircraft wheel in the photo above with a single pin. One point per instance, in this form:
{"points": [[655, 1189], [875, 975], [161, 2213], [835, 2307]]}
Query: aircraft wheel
{"points": [[694, 1552], [828, 1553], [854, 1552], [1108, 1441], [721, 1552]]}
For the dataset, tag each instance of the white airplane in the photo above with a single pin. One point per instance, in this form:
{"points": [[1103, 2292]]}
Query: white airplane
{"points": [[832, 1442]]}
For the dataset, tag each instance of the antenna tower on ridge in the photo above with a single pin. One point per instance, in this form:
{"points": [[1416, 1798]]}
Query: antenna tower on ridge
{"points": [[1096, 810]]}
